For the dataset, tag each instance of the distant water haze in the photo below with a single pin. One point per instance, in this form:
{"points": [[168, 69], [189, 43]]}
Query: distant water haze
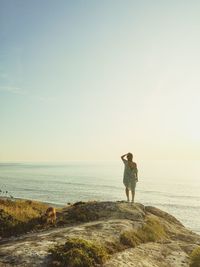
{"points": [[94, 79], [173, 186]]}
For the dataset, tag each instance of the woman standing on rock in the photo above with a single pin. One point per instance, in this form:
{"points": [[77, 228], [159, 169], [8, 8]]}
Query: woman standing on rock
{"points": [[130, 175]]}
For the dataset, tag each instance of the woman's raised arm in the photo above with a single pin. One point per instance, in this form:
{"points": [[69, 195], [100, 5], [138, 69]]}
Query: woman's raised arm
{"points": [[122, 157]]}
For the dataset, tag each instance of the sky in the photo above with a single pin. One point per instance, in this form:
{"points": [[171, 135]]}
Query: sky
{"points": [[92, 80]]}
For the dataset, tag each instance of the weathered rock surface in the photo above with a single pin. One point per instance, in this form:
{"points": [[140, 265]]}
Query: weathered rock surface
{"points": [[104, 222]]}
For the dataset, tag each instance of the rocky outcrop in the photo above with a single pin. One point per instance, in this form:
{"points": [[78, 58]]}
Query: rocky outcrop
{"points": [[160, 240]]}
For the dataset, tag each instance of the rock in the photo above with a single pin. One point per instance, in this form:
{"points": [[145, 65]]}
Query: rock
{"points": [[104, 222], [162, 214]]}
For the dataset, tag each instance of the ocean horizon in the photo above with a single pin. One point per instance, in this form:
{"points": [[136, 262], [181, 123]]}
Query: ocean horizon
{"points": [[173, 186]]}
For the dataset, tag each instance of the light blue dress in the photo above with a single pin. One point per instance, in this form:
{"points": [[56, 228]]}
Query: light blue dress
{"points": [[130, 176]]}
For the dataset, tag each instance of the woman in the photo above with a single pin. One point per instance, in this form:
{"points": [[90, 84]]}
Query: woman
{"points": [[130, 175]]}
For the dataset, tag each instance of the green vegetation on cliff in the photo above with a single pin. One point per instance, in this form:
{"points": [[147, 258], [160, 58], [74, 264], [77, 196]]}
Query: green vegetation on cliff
{"points": [[151, 231], [19, 216], [195, 258], [78, 252]]}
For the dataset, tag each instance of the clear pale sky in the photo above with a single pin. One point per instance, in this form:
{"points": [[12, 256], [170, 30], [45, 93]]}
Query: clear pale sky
{"points": [[91, 80]]}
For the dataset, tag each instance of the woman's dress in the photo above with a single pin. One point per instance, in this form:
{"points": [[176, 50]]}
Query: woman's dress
{"points": [[130, 176]]}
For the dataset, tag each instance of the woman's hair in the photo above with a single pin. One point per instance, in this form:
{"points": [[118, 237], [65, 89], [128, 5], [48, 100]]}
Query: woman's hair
{"points": [[129, 156]]}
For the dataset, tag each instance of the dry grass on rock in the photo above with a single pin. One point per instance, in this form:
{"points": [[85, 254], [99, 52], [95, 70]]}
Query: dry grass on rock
{"points": [[151, 231], [78, 252], [19, 216], [195, 257]]}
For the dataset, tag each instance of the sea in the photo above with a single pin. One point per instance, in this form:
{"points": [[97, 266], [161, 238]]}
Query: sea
{"points": [[173, 186]]}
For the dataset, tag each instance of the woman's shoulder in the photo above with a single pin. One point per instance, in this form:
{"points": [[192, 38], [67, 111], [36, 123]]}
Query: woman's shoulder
{"points": [[133, 164]]}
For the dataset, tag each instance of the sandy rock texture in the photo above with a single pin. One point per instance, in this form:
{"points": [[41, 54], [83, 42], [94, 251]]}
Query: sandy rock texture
{"points": [[104, 222]]}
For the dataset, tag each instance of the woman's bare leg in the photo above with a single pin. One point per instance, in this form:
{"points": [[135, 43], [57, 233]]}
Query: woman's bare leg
{"points": [[127, 194], [133, 196]]}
